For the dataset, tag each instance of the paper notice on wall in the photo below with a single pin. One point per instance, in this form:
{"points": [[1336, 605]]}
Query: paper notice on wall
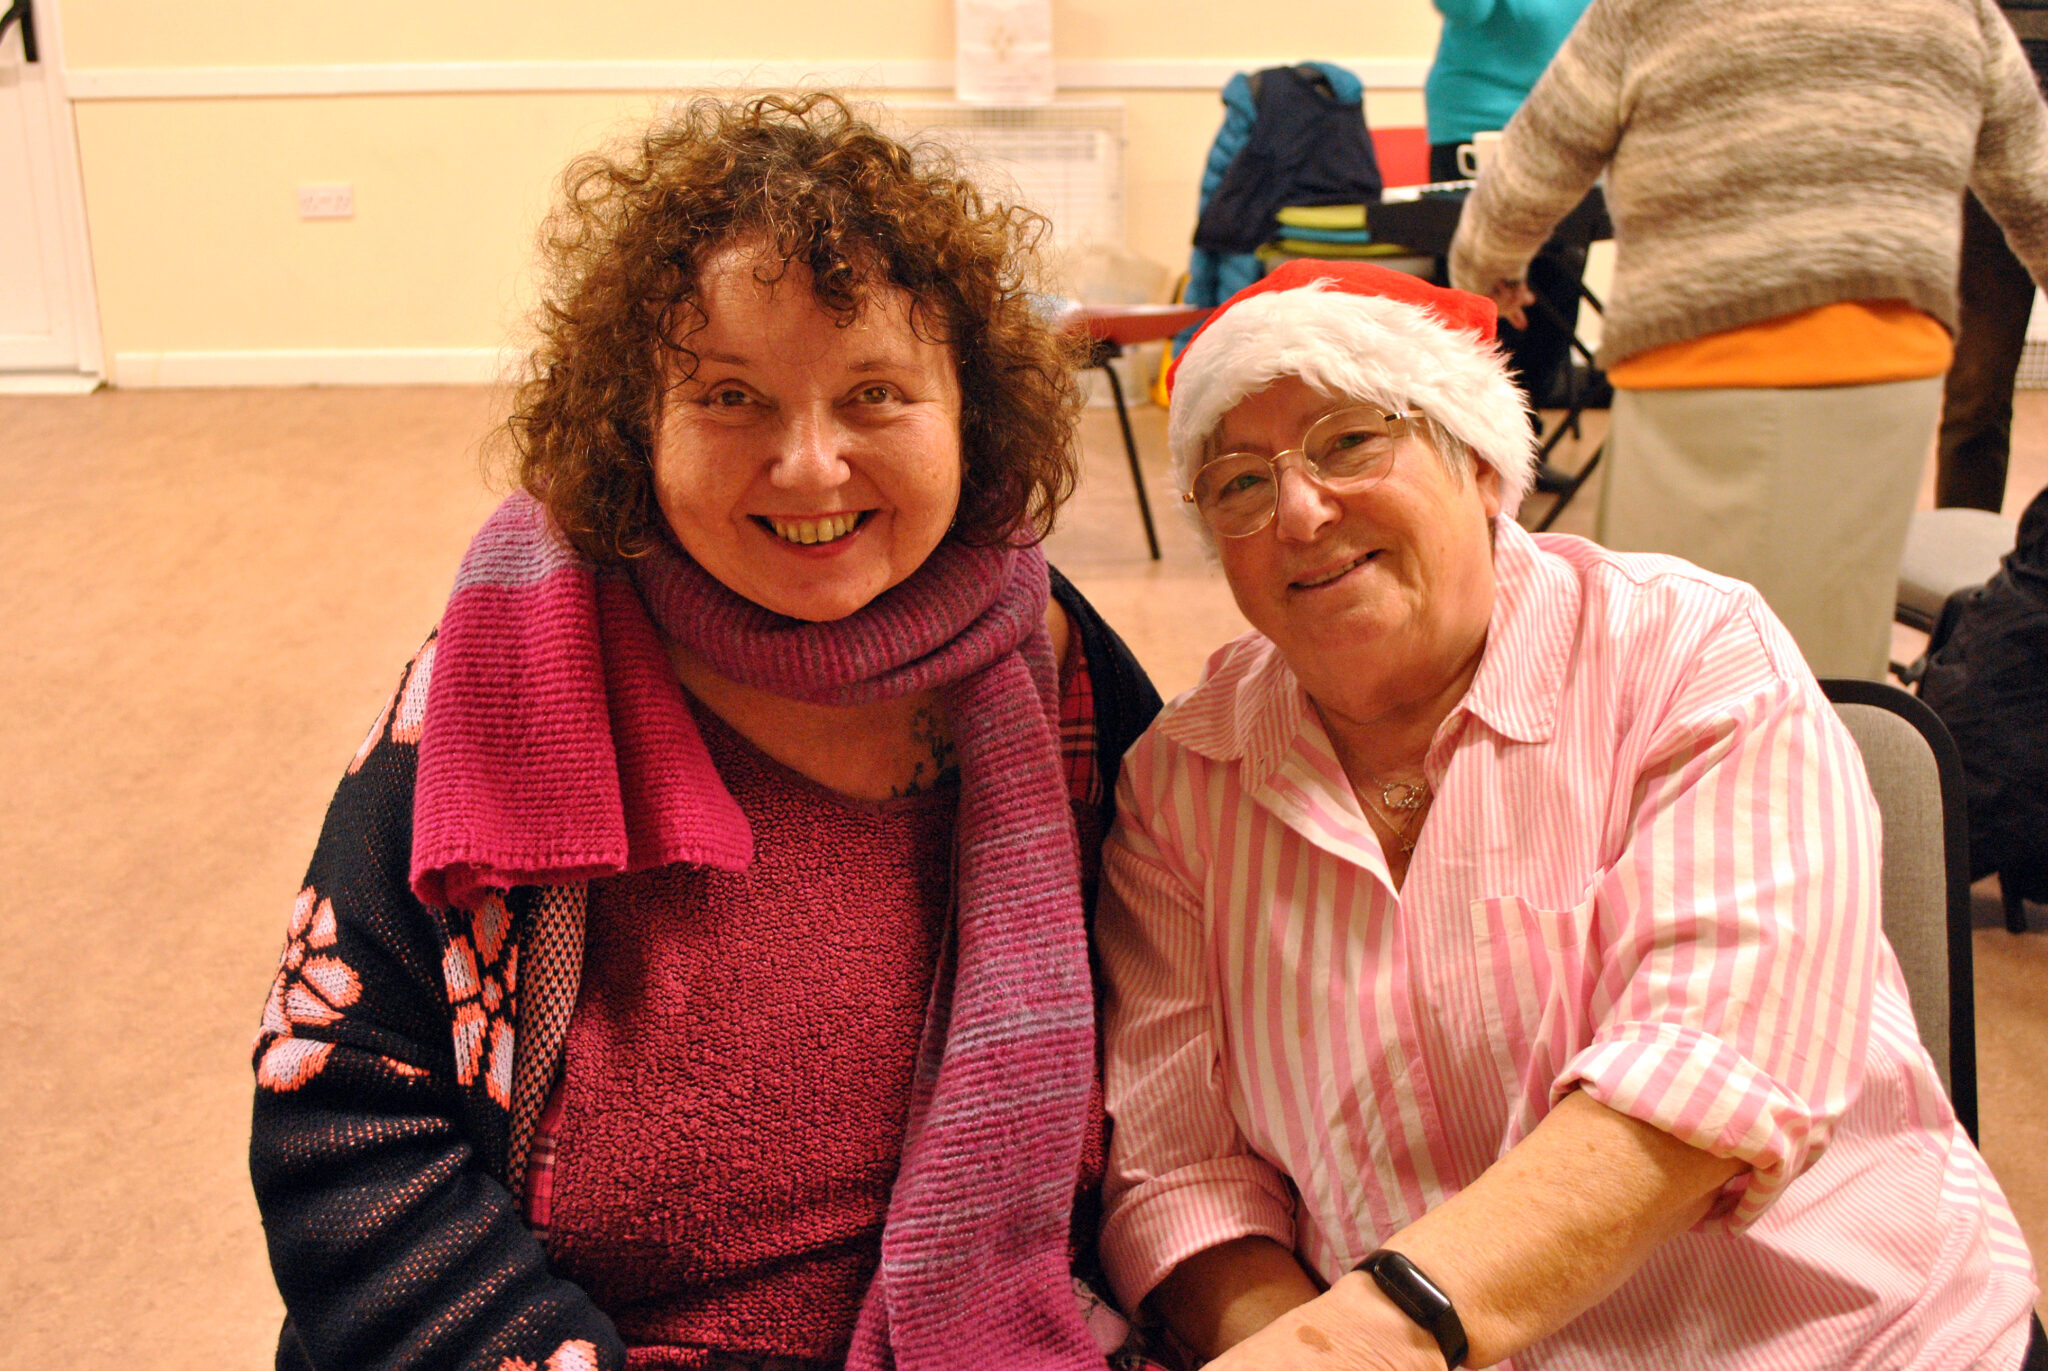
{"points": [[1004, 52]]}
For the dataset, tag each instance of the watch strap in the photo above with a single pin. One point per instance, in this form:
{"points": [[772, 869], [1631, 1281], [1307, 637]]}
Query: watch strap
{"points": [[1422, 1300]]}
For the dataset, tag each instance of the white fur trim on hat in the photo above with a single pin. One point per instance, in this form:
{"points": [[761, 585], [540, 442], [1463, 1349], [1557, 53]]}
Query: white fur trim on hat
{"points": [[1355, 347]]}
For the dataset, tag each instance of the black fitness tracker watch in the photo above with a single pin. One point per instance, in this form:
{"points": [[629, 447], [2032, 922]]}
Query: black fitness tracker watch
{"points": [[1421, 1299]]}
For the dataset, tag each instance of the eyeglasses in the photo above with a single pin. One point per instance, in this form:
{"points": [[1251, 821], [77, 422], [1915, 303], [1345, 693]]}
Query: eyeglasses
{"points": [[1347, 450]]}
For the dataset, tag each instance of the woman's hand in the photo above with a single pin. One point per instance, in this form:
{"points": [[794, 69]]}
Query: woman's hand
{"points": [[1248, 1305], [1224, 1294], [1350, 1327], [1513, 299], [1550, 1229]]}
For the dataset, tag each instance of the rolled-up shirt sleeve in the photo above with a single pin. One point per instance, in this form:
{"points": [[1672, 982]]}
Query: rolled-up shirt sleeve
{"points": [[1739, 930], [1181, 1176]]}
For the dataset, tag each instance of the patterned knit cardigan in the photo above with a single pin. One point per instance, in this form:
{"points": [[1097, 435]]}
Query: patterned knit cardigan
{"points": [[405, 1054]]}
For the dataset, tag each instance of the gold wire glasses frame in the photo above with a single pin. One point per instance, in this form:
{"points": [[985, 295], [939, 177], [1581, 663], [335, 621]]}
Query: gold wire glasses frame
{"points": [[1347, 450]]}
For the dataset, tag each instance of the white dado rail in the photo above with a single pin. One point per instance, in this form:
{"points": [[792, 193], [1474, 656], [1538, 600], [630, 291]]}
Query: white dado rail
{"points": [[500, 78]]}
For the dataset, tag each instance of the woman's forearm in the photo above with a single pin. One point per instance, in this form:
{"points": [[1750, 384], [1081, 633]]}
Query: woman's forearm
{"points": [[1557, 1223], [1224, 1294], [1557, 145], [1545, 1233]]}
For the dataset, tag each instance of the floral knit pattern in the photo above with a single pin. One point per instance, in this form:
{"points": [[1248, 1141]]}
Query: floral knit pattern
{"points": [[575, 1355], [481, 968], [314, 985], [311, 989], [404, 711]]}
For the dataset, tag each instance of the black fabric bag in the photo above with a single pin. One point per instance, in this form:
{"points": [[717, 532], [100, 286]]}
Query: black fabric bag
{"points": [[1987, 677], [1307, 147]]}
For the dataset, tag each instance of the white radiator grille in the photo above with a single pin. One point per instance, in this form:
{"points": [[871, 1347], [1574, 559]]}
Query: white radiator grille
{"points": [[2033, 372], [1064, 160]]}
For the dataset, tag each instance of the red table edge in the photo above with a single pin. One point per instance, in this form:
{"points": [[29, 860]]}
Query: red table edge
{"points": [[1126, 325]]}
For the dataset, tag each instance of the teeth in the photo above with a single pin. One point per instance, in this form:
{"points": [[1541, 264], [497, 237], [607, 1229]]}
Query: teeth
{"points": [[1334, 574], [822, 530]]}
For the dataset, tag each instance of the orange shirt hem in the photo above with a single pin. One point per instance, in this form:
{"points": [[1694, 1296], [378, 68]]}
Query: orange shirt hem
{"points": [[1852, 343]]}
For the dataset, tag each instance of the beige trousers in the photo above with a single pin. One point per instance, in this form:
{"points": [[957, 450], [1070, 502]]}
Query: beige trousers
{"points": [[1803, 493]]}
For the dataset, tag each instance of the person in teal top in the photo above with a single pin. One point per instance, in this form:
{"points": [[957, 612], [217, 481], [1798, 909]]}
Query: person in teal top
{"points": [[1487, 60]]}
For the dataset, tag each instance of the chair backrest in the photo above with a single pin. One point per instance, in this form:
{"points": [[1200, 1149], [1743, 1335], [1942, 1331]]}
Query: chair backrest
{"points": [[1917, 777]]}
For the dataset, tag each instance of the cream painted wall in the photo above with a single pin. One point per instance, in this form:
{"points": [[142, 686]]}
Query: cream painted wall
{"points": [[141, 33], [245, 32], [197, 243]]}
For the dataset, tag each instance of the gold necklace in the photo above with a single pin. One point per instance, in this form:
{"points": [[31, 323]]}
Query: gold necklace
{"points": [[1400, 808]]}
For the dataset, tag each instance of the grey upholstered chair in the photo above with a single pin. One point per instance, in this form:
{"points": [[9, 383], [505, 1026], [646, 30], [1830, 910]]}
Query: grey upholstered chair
{"points": [[1917, 777], [1948, 550]]}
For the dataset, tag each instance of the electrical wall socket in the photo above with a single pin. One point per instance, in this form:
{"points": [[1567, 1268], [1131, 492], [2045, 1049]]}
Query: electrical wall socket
{"points": [[327, 202]]}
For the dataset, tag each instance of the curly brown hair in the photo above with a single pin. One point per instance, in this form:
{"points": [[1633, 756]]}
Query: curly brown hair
{"points": [[816, 186]]}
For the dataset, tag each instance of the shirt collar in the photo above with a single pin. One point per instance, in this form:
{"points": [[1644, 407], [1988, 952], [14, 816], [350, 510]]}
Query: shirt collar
{"points": [[1247, 708], [1521, 675]]}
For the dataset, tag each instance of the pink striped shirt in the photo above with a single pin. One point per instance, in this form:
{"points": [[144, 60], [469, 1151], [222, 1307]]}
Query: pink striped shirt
{"points": [[1649, 873]]}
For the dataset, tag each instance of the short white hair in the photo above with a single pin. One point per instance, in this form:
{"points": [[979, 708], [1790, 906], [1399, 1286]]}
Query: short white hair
{"points": [[1367, 348]]}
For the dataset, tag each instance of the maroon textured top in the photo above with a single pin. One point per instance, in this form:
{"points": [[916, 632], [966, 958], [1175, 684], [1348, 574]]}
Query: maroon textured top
{"points": [[738, 1068]]}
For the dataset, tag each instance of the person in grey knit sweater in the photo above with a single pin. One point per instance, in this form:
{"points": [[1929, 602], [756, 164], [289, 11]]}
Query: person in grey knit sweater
{"points": [[1784, 178]]}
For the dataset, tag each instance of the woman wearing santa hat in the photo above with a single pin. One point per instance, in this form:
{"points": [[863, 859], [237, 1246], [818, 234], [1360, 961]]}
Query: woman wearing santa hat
{"points": [[1494, 950]]}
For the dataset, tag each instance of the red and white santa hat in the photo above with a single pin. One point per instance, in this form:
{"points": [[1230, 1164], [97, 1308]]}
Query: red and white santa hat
{"points": [[1356, 331]]}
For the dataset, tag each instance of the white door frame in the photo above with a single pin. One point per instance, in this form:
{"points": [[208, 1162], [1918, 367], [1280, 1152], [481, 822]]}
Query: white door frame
{"points": [[72, 258]]}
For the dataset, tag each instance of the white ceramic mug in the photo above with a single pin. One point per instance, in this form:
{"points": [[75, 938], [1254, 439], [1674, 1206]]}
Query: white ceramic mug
{"points": [[1473, 156]]}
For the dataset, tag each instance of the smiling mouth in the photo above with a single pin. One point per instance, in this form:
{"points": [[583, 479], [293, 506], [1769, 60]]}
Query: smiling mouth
{"points": [[1337, 573], [828, 529]]}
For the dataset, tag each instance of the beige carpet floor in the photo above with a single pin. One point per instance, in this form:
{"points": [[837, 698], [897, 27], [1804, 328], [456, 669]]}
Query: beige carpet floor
{"points": [[207, 596]]}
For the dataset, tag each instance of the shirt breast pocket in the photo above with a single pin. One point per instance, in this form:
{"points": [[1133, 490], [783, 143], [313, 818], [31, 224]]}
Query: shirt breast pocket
{"points": [[1538, 994]]}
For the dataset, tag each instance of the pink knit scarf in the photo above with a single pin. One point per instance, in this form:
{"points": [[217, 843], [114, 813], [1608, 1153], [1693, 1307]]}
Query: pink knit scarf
{"points": [[557, 748]]}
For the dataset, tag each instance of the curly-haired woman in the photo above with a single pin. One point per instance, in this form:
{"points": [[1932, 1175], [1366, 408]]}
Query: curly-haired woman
{"points": [[692, 971]]}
